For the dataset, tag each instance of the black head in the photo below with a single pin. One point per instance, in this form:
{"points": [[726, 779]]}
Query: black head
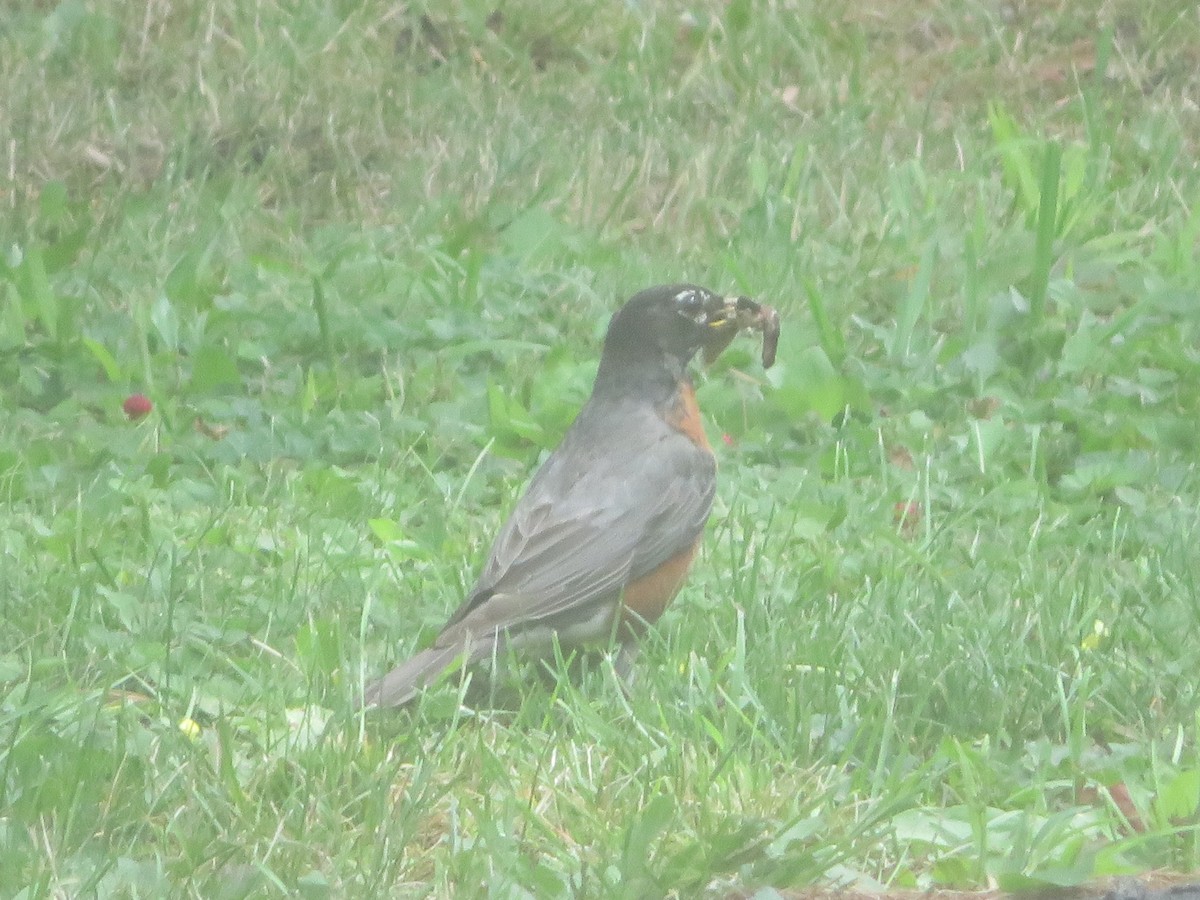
{"points": [[672, 321]]}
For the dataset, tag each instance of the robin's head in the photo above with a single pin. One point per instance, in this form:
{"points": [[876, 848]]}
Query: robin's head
{"points": [[671, 322]]}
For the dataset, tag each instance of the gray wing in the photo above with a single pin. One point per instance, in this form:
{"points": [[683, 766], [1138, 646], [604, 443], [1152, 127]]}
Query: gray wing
{"points": [[595, 518]]}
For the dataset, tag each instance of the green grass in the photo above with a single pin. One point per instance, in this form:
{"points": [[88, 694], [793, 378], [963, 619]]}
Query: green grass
{"points": [[361, 256]]}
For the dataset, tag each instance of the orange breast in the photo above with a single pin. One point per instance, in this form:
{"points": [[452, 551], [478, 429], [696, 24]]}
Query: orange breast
{"points": [[646, 598], [684, 416]]}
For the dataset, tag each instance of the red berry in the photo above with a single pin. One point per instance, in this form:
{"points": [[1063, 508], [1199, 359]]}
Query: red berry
{"points": [[137, 406]]}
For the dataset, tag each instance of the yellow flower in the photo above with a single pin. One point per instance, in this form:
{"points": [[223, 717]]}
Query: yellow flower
{"points": [[1092, 641]]}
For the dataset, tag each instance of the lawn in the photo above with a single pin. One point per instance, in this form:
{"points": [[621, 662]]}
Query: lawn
{"points": [[359, 257]]}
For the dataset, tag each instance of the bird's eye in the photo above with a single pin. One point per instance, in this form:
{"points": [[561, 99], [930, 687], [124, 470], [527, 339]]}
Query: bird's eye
{"points": [[696, 304], [689, 300]]}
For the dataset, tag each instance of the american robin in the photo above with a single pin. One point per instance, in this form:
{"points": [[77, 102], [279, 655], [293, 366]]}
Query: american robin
{"points": [[603, 538]]}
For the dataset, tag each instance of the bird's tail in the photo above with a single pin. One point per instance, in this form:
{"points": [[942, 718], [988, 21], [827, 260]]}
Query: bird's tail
{"points": [[408, 679]]}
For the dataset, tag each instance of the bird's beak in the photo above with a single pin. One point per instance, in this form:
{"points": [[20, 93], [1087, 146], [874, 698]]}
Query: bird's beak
{"points": [[724, 322], [735, 314]]}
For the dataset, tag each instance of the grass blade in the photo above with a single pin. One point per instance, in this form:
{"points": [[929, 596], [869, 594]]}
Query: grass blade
{"points": [[914, 304], [1043, 254], [831, 339]]}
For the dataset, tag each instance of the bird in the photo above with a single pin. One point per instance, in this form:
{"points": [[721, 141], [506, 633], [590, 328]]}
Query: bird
{"points": [[604, 536]]}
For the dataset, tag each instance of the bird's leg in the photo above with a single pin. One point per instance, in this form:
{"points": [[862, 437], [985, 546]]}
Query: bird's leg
{"points": [[623, 664]]}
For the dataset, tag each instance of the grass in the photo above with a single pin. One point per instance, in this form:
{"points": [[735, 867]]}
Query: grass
{"points": [[360, 257]]}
